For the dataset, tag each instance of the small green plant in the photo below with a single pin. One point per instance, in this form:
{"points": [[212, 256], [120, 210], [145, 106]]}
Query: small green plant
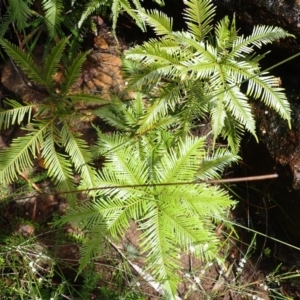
{"points": [[141, 181], [205, 70], [49, 124]]}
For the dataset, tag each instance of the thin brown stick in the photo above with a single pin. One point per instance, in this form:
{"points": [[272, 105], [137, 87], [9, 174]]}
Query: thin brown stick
{"points": [[214, 181]]}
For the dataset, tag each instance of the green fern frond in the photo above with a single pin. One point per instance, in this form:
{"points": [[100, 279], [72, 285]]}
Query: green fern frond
{"points": [[266, 88], [79, 154], [238, 105], [161, 24], [52, 61], [16, 114], [233, 132], [58, 166], [261, 35], [73, 72], [199, 16], [53, 10], [4, 25], [127, 7], [218, 115], [90, 7], [108, 114], [212, 166], [24, 61], [18, 157], [20, 11]]}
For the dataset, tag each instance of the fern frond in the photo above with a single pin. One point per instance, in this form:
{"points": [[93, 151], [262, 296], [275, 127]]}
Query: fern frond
{"points": [[160, 22], [199, 16], [233, 132], [180, 164], [5, 22], [212, 166], [53, 9], [52, 61], [111, 117], [16, 114], [266, 88], [18, 157], [238, 105], [218, 114], [156, 242], [79, 154], [126, 6], [73, 72], [90, 7], [261, 35], [24, 61], [58, 166], [123, 160], [20, 11]]}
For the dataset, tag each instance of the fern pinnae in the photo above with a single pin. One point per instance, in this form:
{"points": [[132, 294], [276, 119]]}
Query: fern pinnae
{"points": [[24, 61], [16, 114], [52, 62], [212, 166], [160, 22], [59, 169], [199, 16], [20, 11], [19, 156], [73, 72], [126, 6], [263, 86], [53, 9], [233, 131], [79, 154], [261, 35], [90, 7], [111, 118], [239, 107]]}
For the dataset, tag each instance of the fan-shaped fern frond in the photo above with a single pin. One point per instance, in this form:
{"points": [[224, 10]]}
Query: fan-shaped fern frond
{"points": [[50, 125], [172, 218], [218, 64]]}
